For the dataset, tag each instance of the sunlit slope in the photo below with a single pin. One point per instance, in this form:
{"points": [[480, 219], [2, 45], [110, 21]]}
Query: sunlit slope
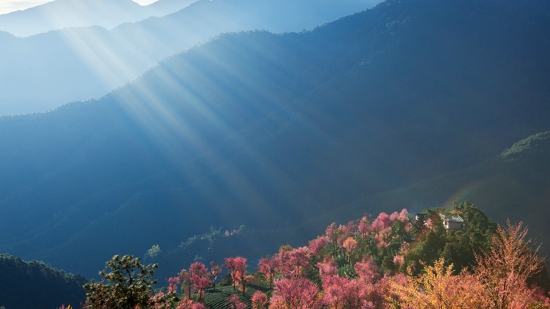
{"points": [[44, 71], [269, 130]]}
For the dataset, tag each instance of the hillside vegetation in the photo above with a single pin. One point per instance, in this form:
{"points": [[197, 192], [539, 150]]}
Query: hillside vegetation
{"points": [[399, 260], [36, 285]]}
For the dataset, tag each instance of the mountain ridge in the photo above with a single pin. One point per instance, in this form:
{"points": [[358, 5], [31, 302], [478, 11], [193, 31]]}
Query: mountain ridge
{"points": [[73, 64], [59, 14]]}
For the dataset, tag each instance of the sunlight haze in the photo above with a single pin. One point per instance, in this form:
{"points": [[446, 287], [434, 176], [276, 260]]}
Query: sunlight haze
{"points": [[7, 6]]}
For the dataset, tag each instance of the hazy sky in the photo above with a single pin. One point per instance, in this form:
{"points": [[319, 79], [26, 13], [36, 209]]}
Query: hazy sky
{"points": [[7, 6]]}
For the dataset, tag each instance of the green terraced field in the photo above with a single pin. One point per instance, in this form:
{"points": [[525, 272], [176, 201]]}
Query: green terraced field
{"points": [[217, 299]]}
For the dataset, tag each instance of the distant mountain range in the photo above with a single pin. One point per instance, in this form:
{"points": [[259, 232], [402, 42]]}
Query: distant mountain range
{"points": [[47, 70], [273, 131], [61, 14]]}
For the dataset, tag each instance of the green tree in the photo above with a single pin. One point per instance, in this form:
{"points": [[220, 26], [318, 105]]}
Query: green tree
{"points": [[455, 246], [127, 284]]}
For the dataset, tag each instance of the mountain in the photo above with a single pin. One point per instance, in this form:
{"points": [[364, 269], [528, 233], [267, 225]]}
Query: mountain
{"points": [[272, 130], [61, 14], [29, 285], [47, 70]]}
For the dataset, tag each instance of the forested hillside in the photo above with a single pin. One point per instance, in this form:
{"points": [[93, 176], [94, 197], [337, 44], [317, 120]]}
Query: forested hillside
{"points": [[35, 284]]}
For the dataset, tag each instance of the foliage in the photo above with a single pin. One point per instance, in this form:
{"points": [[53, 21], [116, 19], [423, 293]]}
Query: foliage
{"points": [[506, 266], [153, 252], [259, 300], [499, 280], [367, 264], [126, 284], [456, 247], [237, 269], [526, 145], [215, 271], [295, 293], [235, 302], [197, 279], [438, 287]]}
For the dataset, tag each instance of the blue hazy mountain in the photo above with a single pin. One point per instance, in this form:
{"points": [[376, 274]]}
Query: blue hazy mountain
{"points": [[165, 7], [272, 130], [47, 70], [61, 14]]}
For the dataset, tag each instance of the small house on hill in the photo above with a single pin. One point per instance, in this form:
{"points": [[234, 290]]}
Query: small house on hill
{"points": [[452, 222], [420, 217]]}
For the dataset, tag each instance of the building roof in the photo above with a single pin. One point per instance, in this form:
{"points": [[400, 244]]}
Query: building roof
{"points": [[452, 218]]}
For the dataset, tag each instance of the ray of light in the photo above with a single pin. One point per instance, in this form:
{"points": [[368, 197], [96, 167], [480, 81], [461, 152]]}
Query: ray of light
{"points": [[147, 108]]}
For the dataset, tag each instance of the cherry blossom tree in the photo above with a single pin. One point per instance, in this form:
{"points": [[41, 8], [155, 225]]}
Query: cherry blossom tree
{"points": [[199, 278], [327, 268], [350, 245], [506, 266], [341, 293], [237, 269], [187, 286], [259, 300], [189, 304], [295, 293], [173, 284], [215, 270], [235, 302], [268, 267], [296, 262], [364, 226], [318, 244]]}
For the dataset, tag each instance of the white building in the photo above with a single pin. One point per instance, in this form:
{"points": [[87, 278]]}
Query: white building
{"points": [[452, 222]]}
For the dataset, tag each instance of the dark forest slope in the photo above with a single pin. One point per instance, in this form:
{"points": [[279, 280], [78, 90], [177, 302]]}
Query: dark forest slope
{"points": [[29, 285], [513, 185], [269, 130]]}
